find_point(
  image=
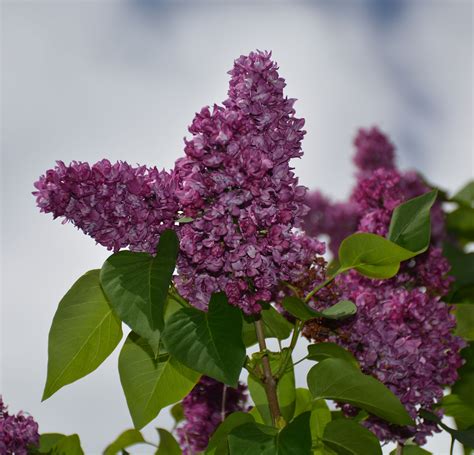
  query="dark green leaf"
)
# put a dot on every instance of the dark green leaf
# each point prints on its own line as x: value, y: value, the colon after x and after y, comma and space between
x: 211, y: 342
x: 168, y: 444
x: 295, y: 438
x: 177, y: 412
x: 48, y: 441
x: 462, y: 411
x: 150, y: 383
x: 465, y: 321
x: 465, y: 437
x: 218, y: 442
x: 346, y: 437
x: 326, y: 350
x: 300, y: 310
x: 84, y: 332
x: 137, y: 286
x: 252, y: 439
x: 124, y: 440
x: 371, y: 255
x: 411, y: 450
x: 461, y: 222
x: 285, y: 390
x: 336, y: 379
x: 465, y: 196
x: 410, y: 226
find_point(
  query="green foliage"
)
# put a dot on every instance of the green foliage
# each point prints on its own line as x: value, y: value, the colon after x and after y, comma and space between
x: 218, y: 443
x: 274, y: 326
x: 177, y: 412
x: 150, y: 383
x: 84, y: 332
x: 347, y: 437
x: 168, y: 444
x: 285, y: 390
x: 209, y: 342
x: 59, y: 444
x: 410, y: 226
x: 320, y: 417
x: 371, y: 255
x: 336, y: 379
x: 254, y: 438
x: 461, y: 222
x: 300, y: 310
x: 137, y: 286
x: 465, y: 320
x: 326, y: 350
x: 411, y: 450
x: 461, y: 410
x: 124, y: 440
x: 462, y: 269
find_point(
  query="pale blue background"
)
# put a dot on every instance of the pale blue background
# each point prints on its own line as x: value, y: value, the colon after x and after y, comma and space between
x: 82, y: 80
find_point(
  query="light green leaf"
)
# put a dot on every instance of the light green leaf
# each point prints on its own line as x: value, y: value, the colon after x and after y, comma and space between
x: 465, y: 196
x: 137, y: 286
x: 347, y: 437
x: 218, y: 443
x: 274, y: 326
x: 371, y: 255
x: 464, y: 320
x: 320, y: 417
x: 168, y: 444
x: 285, y: 390
x: 461, y: 410
x: 410, y: 226
x: 68, y: 445
x: 124, y: 440
x: 211, y: 342
x: 300, y: 310
x: 303, y: 400
x: 461, y: 222
x: 336, y: 379
x: 326, y: 350
x: 411, y: 450
x: 151, y: 383
x: 84, y: 332
x: 177, y: 412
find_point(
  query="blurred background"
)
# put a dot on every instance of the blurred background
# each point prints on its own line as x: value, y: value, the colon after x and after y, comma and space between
x: 83, y: 80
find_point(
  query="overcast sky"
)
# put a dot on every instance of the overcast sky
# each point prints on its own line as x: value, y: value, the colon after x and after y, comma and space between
x: 83, y: 80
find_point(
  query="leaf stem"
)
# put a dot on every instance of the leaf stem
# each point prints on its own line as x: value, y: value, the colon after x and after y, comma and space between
x: 319, y: 287
x: 269, y: 381
x: 300, y: 360
x: 399, y: 450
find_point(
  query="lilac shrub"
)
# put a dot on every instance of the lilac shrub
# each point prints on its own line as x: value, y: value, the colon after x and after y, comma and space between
x: 402, y: 333
x: 17, y: 432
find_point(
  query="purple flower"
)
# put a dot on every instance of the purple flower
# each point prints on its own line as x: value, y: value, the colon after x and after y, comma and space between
x: 17, y: 432
x: 402, y: 331
x: 205, y: 407
x: 236, y: 182
x: 116, y: 204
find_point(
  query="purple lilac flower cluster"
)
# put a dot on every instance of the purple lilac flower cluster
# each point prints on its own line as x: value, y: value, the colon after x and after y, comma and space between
x: 237, y: 183
x: 116, y: 204
x: 17, y: 432
x: 234, y: 181
x: 402, y: 333
x: 208, y: 404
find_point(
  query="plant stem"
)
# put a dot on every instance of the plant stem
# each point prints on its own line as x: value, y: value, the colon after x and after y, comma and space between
x: 317, y: 288
x: 269, y: 381
x: 399, y: 450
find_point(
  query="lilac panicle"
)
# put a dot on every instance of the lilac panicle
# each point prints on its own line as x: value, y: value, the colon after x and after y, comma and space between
x: 402, y: 333
x: 236, y: 182
x: 205, y: 407
x: 116, y: 204
x: 17, y: 432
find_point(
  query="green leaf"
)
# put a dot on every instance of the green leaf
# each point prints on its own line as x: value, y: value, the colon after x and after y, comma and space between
x: 285, y: 390
x: 346, y: 437
x: 137, y: 286
x: 184, y: 220
x: 124, y: 440
x: 336, y: 379
x: 151, y: 383
x: 464, y: 321
x: 320, y: 417
x: 211, y: 342
x: 274, y: 326
x: 295, y: 438
x: 461, y: 222
x: 410, y: 226
x: 326, y: 350
x: 48, y: 441
x: 465, y: 437
x: 218, y: 442
x: 168, y: 444
x: 462, y: 411
x: 371, y: 255
x: 177, y: 412
x: 303, y: 400
x: 83, y: 334
x: 300, y: 310
x: 68, y: 445
x: 465, y: 196
x: 411, y: 450
x: 252, y: 439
